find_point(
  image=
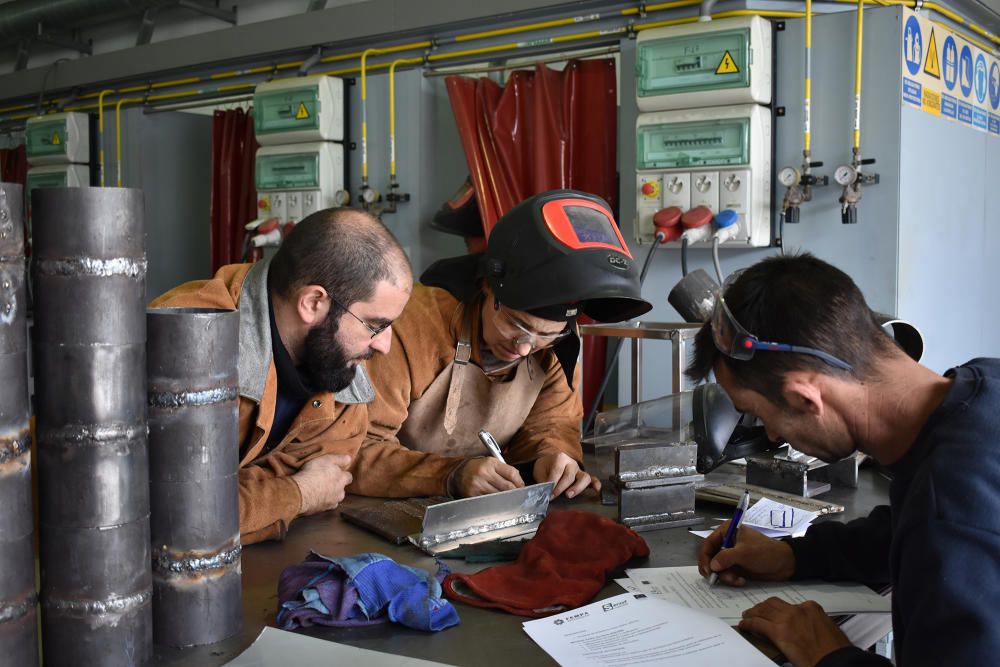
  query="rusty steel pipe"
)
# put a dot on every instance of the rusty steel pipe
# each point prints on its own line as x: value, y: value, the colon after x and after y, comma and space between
x: 193, y: 404
x: 18, y: 599
x: 89, y: 339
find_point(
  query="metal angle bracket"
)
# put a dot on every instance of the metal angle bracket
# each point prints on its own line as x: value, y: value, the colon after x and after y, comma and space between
x: 655, y: 463
x: 494, y: 517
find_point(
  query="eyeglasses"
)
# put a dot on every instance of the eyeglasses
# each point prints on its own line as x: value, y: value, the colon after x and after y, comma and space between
x: 529, y: 337
x: 374, y: 331
x: 735, y: 342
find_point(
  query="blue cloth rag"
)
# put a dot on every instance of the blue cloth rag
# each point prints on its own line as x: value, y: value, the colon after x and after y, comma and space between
x: 362, y: 590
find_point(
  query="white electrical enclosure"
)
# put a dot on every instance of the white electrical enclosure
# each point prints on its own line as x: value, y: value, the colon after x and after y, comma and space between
x: 717, y: 157
x: 295, y: 180
x: 309, y: 108
x: 57, y: 138
x: 713, y: 63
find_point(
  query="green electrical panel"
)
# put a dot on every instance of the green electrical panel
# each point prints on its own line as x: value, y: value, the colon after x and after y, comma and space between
x: 294, y: 171
x: 47, y: 138
x: 707, y: 143
x: 694, y: 63
x: 286, y: 110
x: 54, y: 179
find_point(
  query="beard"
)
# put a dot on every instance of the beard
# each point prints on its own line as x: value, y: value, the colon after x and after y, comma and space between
x: 326, y: 361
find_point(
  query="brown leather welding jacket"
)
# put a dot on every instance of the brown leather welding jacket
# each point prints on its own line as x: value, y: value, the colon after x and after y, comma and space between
x: 327, y: 424
x: 424, y: 341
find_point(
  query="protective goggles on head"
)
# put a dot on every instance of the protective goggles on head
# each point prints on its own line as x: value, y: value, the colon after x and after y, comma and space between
x: 527, y: 336
x: 732, y: 340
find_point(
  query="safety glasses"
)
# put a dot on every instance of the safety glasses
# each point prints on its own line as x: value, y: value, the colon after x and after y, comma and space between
x: 527, y: 336
x: 737, y: 343
x: 374, y: 331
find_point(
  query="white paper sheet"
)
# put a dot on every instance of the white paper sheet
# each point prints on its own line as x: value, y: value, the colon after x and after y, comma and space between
x: 775, y: 519
x: 627, y: 584
x: 289, y: 649
x: 635, y: 630
x: 685, y: 586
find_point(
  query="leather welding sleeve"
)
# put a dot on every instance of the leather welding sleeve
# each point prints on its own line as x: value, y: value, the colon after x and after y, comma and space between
x: 553, y: 425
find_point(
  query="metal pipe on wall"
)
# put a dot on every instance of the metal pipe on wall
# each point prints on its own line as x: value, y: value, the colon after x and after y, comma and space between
x: 193, y: 402
x: 18, y: 599
x: 89, y: 338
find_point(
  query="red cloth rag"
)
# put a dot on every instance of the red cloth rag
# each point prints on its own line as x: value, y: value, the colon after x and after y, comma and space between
x: 562, y: 567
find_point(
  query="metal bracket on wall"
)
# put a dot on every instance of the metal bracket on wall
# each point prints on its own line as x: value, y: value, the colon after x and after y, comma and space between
x: 229, y: 16
x: 70, y: 41
x: 146, y: 26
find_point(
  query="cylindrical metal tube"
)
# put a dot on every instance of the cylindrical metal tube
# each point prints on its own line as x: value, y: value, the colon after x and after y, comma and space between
x: 18, y: 600
x: 89, y: 274
x: 193, y: 399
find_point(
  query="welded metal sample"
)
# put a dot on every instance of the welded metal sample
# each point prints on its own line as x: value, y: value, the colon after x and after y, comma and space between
x: 18, y: 599
x: 193, y: 399
x: 89, y: 338
x: 656, y: 482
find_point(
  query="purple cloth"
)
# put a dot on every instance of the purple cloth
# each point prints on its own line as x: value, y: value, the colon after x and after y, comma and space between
x: 362, y: 590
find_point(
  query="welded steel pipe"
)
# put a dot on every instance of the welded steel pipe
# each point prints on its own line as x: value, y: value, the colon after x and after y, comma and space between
x: 193, y: 403
x: 89, y: 339
x: 18, y: 599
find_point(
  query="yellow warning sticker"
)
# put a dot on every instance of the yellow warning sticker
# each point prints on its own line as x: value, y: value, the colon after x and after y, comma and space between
x: 302, y: 113
x: 932, y: 65
x: 56, y: 140
x: 931, y: 102
x: 727, y: 66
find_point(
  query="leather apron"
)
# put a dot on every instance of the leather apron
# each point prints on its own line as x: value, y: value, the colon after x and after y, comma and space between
x: 462, y: 401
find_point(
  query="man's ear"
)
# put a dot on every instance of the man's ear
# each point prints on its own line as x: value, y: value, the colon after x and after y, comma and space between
x: 802, y: 392
x: 312, y: 304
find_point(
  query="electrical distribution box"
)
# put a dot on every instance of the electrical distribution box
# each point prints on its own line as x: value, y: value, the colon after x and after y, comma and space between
x: 57, y: 139
x: 714, y: 63
x: 309, y: 108
x: 298, y: 179
x: 717, y: 157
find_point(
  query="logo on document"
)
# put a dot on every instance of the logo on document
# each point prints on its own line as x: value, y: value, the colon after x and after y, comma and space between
x: 572, y: 617
x: 613, y: 605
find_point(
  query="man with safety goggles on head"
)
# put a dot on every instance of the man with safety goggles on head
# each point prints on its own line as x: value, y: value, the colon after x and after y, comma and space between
x: 489, y: 342
x: 821, y: 374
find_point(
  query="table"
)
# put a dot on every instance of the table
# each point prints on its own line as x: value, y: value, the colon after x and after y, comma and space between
x: 484, y: 637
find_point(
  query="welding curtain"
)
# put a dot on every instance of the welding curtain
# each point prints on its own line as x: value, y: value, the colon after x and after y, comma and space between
x: 234, y: 196
x: 544, y: 129
x: 13, y: 165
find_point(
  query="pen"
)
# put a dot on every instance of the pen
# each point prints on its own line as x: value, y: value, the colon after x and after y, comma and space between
x: 734, y: 525
x: 491, y: 444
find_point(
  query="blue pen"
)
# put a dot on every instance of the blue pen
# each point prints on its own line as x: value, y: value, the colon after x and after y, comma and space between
x: 734, y: 526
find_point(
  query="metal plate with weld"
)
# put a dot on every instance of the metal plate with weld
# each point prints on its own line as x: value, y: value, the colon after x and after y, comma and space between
x: 497, y: 516
x: 667, y: 506
x: 646, y: 464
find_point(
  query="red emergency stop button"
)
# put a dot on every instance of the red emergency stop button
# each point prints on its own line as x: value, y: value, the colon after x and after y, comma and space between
x: 262, y: 203
x: 648, y: 188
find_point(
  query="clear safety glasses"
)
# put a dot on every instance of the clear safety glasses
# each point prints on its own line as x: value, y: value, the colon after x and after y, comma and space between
x: 737, y: 343
x: 522, y: 335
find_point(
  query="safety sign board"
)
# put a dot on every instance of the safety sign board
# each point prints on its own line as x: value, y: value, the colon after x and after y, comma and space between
x: 301, y: 113
x: 728, y: 65
x: 946, y: 75
x: 56, y: 141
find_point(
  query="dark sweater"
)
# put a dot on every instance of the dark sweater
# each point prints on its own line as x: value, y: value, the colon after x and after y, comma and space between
x: 938, y: 543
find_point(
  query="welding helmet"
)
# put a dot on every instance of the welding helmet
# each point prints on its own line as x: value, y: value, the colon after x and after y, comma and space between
x: 460, y: 214
x: 558, y: 254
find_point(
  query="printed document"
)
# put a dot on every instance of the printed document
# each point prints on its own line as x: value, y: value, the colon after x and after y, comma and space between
x: 685, y: 586
x: 631, y: 629
x: 775, y: 519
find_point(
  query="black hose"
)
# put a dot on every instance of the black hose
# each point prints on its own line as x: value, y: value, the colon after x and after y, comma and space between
x: 684, y: 256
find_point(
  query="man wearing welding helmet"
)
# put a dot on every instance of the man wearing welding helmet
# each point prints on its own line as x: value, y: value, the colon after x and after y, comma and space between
x: 793, y: 342
x: 489, y: 342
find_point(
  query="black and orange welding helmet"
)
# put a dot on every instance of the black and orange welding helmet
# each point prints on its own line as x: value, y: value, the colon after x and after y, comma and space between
x: 559, y: 253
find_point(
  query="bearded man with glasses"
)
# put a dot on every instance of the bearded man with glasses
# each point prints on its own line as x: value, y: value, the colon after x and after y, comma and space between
x: 489, y: 342
x: 309, y: 319
x: 793, y: 342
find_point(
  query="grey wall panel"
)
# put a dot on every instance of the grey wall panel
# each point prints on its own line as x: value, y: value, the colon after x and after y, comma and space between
x: 947, y: 242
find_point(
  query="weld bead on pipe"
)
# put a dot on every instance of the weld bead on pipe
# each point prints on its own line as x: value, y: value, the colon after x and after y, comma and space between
x: 89, y: 338
x: 193, y: 401
x: 18, y: 598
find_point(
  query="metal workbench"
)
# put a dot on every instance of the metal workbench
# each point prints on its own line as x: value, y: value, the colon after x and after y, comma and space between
x: 484, y: 637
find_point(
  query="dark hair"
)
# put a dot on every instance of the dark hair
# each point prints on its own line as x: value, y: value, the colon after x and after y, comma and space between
x: 800, y: 300
x: 344, y: 250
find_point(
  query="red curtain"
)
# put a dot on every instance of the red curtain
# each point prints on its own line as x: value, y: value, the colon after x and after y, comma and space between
x: 13, y: 165
x: 234, y: 195
x: 545, y: 129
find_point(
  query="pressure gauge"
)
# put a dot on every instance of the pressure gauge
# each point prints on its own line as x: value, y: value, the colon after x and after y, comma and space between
x: 845, y: 174
x: 788, y: 176
x: 369, y: 195
x: 342, y: 198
